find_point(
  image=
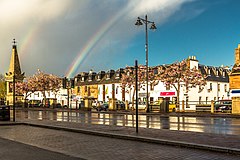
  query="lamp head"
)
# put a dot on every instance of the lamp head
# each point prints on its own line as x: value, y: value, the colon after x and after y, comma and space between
x: 153, y: 26
x: 139, y: 22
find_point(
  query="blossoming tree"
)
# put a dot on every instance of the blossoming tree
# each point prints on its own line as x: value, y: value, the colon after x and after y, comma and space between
x: 39, y: 82
x: 179, y: 74
x: 129, y: 77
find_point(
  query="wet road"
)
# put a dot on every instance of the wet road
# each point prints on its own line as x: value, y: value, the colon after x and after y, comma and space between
x: 215, y: 125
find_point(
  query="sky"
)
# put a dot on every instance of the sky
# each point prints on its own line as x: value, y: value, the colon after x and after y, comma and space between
x: 82, y: 35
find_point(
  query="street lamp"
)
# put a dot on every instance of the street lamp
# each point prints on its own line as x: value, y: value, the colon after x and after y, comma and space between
x: 140, y: 22
x: 14, y: 85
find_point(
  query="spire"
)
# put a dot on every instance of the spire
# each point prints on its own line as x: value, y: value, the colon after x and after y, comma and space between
x: 14, y: 66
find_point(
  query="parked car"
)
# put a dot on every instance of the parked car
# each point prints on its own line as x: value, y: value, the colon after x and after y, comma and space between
x: 120, y: 105
x: 141, y: 106
x: 223, y: 105
x: 102, y: 107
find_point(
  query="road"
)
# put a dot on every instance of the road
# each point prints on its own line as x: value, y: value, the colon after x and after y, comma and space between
x: 216, y: 125
x: 95, y: 147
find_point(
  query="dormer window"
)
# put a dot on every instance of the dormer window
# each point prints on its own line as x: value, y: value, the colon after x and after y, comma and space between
x: 99, y: 77
x: 217, y: 73
x: 117, y: 75
x: 209, y: 71
x: 82, y: 79
x: 108, y: 76
x: 90, y: 78
x: 223, y: 73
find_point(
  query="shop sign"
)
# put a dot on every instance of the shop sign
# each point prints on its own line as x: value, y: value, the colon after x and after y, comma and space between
x: 235, y: 93
x: 168, y: 94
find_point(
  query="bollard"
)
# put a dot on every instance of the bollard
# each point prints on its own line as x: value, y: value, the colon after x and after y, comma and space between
x: 212, y: 106
x: 183, y: 106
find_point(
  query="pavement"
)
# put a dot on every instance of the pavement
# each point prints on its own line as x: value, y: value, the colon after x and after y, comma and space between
x: 205, y: 141
x: 12, y: 150
x: 45, y: 139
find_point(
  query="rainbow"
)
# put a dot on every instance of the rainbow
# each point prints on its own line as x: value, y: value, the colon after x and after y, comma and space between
x: 26, y: 41
x: 85, y: 51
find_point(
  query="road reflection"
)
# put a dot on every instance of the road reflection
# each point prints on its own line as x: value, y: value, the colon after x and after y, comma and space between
x: 195, y: 124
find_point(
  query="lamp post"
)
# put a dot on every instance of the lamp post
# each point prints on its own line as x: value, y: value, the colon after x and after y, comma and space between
x: 14, y: 87
x: 140, y: 22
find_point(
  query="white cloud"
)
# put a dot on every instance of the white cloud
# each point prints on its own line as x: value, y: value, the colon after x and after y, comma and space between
x: 63, y: 27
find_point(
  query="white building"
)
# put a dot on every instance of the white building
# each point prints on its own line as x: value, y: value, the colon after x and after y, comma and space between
x: 109, y: 87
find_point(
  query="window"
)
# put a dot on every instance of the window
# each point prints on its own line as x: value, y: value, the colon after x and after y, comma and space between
x: 167, y: 87
x: 218, y: 87
x: 85, y: 88
x: 10, y: 87
x: 90, y: 78
x: 152, y: 87
x: 225, y: 87
x: 223, y: 74
x: 210, y: 87
x: 200, y: 88
x: 98, y: 77
x: 108, y: 76
x: 187, y: 105
x: 206, y: 100
x: 117, y: 75
x: 200, y: 100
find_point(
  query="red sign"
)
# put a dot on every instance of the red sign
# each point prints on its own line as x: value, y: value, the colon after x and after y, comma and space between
x: 167, y: 94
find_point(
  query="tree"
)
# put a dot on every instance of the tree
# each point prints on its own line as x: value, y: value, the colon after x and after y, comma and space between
x: 129, y: 77
x: 46, y: 83
x: 3, y: 90
x: 179, y: 74
x: 39, y: 82
x: 26, y: 88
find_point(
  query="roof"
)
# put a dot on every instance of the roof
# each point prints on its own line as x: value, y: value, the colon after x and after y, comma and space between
x: 218, y: 74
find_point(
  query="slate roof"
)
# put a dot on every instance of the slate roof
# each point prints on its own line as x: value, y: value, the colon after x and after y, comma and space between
x: 101, y: 77
x: 217, y: 74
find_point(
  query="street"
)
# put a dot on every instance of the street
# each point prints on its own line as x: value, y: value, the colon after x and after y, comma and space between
x: 216, y: 125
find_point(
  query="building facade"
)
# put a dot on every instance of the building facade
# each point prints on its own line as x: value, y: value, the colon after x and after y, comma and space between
x: 104, y: 86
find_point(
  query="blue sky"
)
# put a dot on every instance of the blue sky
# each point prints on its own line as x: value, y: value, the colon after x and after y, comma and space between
x: 211, y: 36
x: 101, y: 35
